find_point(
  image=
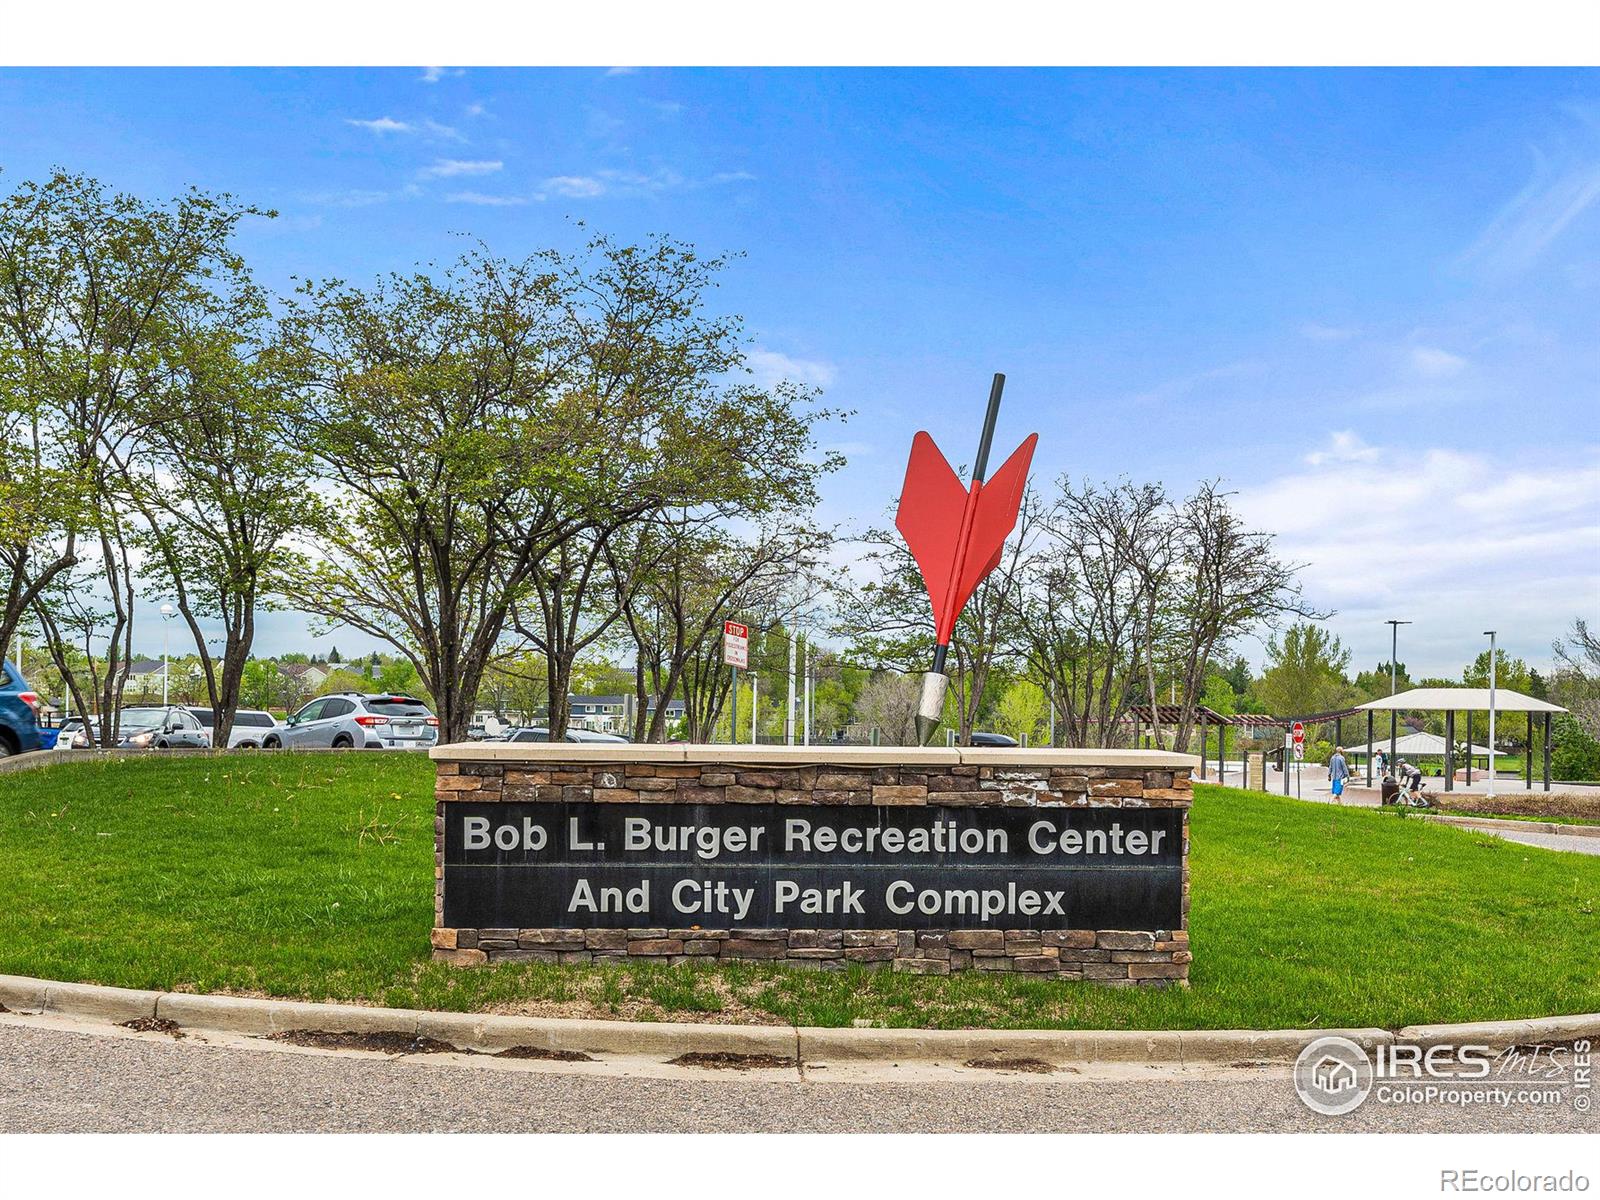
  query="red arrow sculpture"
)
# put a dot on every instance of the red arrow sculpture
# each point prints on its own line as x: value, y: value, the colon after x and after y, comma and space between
x: 957, y: 534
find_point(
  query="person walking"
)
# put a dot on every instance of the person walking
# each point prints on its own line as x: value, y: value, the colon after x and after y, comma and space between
x: 1338, y: 772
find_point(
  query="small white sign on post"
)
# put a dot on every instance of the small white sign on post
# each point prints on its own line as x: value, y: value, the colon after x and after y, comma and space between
x: 735, y: 644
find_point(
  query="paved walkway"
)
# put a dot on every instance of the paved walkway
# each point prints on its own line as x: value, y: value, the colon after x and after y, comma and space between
x: 63, y: 1081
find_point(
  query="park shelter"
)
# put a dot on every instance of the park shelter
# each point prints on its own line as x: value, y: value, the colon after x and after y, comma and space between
x: 1422, y: 744
x: 1452, y: 700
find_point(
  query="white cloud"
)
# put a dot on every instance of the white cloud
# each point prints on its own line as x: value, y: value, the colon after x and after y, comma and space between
x: 486, y: 199
x: 1433, y: 363
x: 446, y: 132
x: 768, y: 367
x: 1555, y: 197
x: 477, y: 110
x: 611, y: 181
x: 348, y: 198
x: 447, y: 168
x: 1317, y: 332
x: 577, y: 186
x: 434, y: 74
x: 1344, y: 447
x: 381, y: 125
x: 1456, y: 541
x: 614, y: 71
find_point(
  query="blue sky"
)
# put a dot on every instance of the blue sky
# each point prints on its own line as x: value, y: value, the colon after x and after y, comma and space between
x: 1366, y: 299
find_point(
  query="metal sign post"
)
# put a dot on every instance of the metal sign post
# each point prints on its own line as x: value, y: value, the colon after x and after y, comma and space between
x: 736, y: 653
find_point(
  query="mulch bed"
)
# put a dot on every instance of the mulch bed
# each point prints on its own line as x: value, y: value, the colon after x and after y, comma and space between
x: 724, y: 1061
x: 1572, y: 805
x: 154, y: 1025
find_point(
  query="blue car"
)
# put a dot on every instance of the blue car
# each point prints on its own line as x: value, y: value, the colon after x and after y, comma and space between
x: 19, y: 710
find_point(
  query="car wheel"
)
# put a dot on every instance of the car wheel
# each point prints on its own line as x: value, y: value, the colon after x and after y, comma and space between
x: 246, y: 746
x: 163, y: 745
x: 6, y: 748
x: 272, y: 743
x: 343, y: 743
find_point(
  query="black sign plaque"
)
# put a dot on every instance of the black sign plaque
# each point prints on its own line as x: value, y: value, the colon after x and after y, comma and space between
x: 722, y: 866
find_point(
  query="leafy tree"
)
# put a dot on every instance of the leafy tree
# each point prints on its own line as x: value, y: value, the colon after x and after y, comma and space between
x: 1305, y: 672
x: 472, y: 421
x: 1509, y: 672
x: 1575, y: 685
x: 1022, y: 712
x: 1574, y: 752
x: 90, y: 285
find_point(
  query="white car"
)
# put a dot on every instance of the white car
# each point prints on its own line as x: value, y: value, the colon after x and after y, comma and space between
x: 250, y: 726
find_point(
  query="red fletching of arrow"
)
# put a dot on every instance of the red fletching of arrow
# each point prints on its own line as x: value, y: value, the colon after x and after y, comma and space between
x: 957, y: 533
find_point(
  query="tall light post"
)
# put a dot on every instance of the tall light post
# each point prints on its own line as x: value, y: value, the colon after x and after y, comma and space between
x: 788, y: 711
x: 1394, y: 654
x: 167, y: 613
x: 1491, y: 633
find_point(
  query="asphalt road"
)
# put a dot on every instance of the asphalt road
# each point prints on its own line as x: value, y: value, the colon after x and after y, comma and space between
x: 1550, y: 841
x: 73, y: 1080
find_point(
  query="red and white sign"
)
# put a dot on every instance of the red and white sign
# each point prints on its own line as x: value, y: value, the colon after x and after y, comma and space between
x: 735, y: 644
x: 1299, y: 739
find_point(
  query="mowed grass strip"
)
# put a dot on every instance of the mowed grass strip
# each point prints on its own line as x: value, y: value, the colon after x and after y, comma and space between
x: 311, y: 876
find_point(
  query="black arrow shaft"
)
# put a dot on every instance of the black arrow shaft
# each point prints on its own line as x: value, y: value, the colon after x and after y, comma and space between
x: 980, y: 466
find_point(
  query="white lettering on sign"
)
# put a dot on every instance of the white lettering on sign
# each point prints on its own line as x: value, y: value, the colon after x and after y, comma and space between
x: 476, y: 835
x: 901, y: 898
x: 1043, y: 838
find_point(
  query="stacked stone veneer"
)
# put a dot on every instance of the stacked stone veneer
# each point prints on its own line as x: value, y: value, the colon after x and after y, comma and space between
x: 1116, y: 957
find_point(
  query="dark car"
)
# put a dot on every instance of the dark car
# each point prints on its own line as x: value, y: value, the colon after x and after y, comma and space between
x: 160, y: 727
x: 992, y: 739
x: 19, y: 712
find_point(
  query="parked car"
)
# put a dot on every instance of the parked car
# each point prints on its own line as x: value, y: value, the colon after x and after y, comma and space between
x: 19, y: 712
x: 992, y: 739
x: 357, y: 720
x: 250, y: 726
x: 160, y: 728
x: 573, y: 735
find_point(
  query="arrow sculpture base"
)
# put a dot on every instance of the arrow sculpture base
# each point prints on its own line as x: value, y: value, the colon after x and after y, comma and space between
x: 930, y: 706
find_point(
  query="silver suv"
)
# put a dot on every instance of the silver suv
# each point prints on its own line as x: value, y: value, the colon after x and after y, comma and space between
x: 357, y: 721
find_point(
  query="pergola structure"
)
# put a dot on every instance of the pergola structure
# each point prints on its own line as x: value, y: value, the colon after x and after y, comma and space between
x: 1171, y: 714
x: 1469, y: 700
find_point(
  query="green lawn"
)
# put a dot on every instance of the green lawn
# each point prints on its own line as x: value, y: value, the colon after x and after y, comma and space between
x: 311, y: 876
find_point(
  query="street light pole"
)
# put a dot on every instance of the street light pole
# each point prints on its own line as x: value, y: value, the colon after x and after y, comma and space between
x: 1491, y: 634
x: 788, y: 711
x: 166, y: 628
x: 1394, y: 654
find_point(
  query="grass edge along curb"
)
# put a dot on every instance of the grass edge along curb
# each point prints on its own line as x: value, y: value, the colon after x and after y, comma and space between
x: 1512, y: 825
x: 489, y: 1032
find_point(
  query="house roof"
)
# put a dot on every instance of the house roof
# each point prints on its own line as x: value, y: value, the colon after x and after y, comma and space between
x: 1463, y: 699
x: 145, y: 666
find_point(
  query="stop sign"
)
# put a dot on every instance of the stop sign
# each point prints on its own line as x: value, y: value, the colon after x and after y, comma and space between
x: 1299, y: 732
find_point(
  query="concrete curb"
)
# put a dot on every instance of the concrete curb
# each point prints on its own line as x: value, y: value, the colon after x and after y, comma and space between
x: 649, y: 1039
x: 1512, y: 825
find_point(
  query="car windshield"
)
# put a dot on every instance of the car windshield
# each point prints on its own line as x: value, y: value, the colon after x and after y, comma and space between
x: 142, y: 718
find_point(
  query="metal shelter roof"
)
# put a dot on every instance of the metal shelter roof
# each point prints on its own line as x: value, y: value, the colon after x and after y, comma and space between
x: 1462, y: 699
